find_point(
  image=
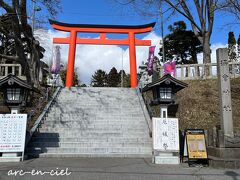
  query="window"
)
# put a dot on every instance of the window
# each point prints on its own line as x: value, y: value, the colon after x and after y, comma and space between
x: 165, y: 93
x: 13, y: 94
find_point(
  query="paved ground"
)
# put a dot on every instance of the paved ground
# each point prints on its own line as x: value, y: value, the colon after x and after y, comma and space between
x: 108, y: 169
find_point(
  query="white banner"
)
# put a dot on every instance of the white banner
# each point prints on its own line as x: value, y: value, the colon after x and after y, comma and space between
x: 12, y: 132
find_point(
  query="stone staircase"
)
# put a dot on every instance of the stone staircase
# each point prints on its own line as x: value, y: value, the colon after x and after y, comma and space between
x: 94, y: 122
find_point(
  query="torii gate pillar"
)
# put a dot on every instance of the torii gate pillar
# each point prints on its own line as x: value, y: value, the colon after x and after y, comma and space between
x: 132, y: 58
x: 71, y: 59
x: 131, y: 41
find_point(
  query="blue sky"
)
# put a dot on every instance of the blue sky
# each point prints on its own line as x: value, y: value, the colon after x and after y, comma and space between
x: 89, y: 58
x: 109, y: 12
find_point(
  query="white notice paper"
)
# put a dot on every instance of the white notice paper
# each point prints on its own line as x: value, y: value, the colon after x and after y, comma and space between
x: 165, y: 134
x: 12, y: 132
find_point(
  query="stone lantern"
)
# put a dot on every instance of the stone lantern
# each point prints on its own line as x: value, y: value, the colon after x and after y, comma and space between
x: 15, y: 92
x: 164, y: 94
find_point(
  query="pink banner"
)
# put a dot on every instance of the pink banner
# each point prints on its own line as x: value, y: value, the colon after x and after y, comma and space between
x: 56, y: 60
x: 170, y: 68
x: 150, y: 59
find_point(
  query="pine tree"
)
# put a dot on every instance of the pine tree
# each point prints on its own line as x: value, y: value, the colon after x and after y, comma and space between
x: 231, y: 47
x: 238, y: 41
x: 99, y: 79
x: 125, y: 78
x: 181, y: 43
x: 63, y: 74
x: 113, y: 78
x: 231, y: 38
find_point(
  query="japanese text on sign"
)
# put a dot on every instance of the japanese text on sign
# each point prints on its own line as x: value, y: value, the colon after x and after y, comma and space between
x: 12, y: 132
x: 165, y: 134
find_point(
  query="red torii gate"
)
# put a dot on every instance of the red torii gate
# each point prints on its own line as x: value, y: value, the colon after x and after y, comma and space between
x: 131, y: 41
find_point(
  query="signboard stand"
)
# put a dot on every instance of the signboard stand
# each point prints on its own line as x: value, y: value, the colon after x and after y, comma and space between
x: 12, y: 137
x: 195, y: 147
x: 165, y: 141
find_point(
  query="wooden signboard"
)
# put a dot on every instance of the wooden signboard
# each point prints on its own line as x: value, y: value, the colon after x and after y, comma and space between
x: 196, y: 146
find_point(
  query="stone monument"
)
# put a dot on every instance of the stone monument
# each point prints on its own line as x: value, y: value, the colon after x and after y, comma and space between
x: 224, y: 151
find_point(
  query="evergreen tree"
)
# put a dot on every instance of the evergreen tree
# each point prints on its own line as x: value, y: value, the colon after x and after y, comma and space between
x: 238, y: 49
x: 99, y: 79
x: 126, y: 79
x: 63, y: 74
x: 238, y: 41
x: 17, y: 40
x: 113, y: 78
x: 181, y: 43
x: 231, y: 38
x: 231, y: 46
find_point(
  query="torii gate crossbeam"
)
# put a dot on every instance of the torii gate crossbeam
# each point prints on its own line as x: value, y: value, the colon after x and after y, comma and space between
x: 131, y: 41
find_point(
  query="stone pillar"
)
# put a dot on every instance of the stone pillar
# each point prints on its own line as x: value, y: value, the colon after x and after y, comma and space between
x: 224, y: 92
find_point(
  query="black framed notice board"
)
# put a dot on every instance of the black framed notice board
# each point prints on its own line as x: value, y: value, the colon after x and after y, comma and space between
x: 196, y: 147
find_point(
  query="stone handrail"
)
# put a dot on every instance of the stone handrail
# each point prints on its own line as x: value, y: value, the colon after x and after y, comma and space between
x: 42, y: 115
x: 145, y: 111
x: 15, y: 69
x: 197, y: 71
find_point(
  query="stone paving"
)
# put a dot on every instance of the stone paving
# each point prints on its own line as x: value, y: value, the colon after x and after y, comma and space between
x: 109, y: 168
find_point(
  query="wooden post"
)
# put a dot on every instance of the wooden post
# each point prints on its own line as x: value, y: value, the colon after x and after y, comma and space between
x: 224, y: 92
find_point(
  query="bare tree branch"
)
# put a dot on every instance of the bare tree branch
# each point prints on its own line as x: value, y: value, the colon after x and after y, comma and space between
x: 6, y: 6
x: 190, y: 18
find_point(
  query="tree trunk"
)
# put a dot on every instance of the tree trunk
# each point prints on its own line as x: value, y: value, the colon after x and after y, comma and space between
x: 206, y: 54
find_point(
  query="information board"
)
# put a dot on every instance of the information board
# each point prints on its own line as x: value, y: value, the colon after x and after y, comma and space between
x: 12, y: 132
x: 165, y: 134
x: 196, y: 145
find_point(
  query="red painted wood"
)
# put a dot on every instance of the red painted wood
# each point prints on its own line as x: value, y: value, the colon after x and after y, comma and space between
x: 131, y: 41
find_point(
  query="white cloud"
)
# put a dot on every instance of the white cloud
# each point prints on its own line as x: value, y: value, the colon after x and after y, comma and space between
x: 89, y: 58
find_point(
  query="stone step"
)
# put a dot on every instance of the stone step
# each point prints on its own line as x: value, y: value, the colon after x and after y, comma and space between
x: 105, y: 128
x: 76, y: 112
x: 97, y: 124
x: 97, y: 150
x: 226, y: 163
x: 10, y: 159
x: 90, y: 144
x: 88, y: 129
x: 95, y: 117
x: 227, y: 153
x: 91, y: 135
x: 110, y: 96
x: 87, y: 155
x: 124, y: 107
x: 94, y: 125
x: 105, y: 102
x: 94, y: 122
x: 97, y: 139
